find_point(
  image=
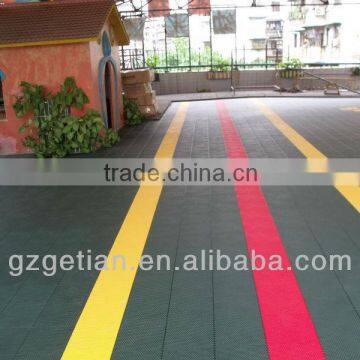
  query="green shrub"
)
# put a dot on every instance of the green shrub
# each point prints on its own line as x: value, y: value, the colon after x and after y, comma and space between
x: 291, y: 64
x: 152, y: 61
x: 109, y: 138
x: 356, y: 71
x: 132, y: 114
x: 51, y: 130
x: 220, y: 64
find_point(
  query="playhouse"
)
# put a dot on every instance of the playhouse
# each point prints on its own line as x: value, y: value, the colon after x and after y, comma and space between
x: 45, y: 42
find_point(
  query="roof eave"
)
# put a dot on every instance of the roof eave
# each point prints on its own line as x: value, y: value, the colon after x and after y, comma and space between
x: 119, y: 27
x: 47, y: 42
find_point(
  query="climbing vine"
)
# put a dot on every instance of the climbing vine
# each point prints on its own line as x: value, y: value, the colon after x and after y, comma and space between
x: 132, y: 113
x: 51, y: 130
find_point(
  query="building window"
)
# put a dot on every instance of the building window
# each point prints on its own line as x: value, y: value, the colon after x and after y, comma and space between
x: 322, y: 39
x: 336, y: 37
x: 295, y: 40
x: 315, y: 37
x: 327, y: 37
x: 275, y: 5
x: 2, y: 105
x: 258, y: 44
x: 274, y: 29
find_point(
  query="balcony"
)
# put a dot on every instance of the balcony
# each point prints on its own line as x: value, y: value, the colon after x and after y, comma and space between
x: 258, y: 44
x: 274, y: 33
x: 298, y: 14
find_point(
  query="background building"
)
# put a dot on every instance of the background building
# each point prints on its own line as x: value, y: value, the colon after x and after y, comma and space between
x: 212, y: 34
x: 315, y: 32
x: 269, y: 32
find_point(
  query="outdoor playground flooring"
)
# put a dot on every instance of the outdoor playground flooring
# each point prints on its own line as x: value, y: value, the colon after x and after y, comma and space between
x: 186, y: 315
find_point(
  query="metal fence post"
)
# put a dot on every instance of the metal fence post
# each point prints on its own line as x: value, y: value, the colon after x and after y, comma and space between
x: 266, y: 55
x: 189, y: 41
x: 244, y: 53
x: 122, y: 57
x: 211, y: 37
x: 288, y: 57
x: 143, y: 52
x: 166, y: 50
x: 235, y: 37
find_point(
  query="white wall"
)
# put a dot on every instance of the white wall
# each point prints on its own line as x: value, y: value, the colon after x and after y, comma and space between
x: 348, y: 40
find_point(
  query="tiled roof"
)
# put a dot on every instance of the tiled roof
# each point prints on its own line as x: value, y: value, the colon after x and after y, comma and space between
x: 59, y: 20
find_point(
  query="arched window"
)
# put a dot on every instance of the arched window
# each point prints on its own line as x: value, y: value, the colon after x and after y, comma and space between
x: 2, y: 105
x: 106, y: 45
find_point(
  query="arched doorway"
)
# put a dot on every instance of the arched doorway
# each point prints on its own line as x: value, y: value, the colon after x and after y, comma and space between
x: 109, y: 86
x: 109, y: 96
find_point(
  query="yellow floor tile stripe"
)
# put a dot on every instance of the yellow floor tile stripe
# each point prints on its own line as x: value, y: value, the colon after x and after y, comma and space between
x: 317, y: 160
x: 354, y: 109
x: 95, y: 333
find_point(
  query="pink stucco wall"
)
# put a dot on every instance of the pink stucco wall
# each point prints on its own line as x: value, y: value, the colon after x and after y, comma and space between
x: 46, y: 65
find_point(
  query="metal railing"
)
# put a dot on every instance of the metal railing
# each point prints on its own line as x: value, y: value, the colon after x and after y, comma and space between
x: 329, y: 82
x: 269, y: 58
x: 175, y: 61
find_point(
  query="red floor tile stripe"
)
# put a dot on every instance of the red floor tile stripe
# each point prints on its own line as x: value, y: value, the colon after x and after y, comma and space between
x: 289, y: 331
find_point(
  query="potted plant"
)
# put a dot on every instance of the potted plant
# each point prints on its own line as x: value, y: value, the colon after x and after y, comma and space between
x: 290, y: 69
x: 221, y: 69
x: 152, y: 62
